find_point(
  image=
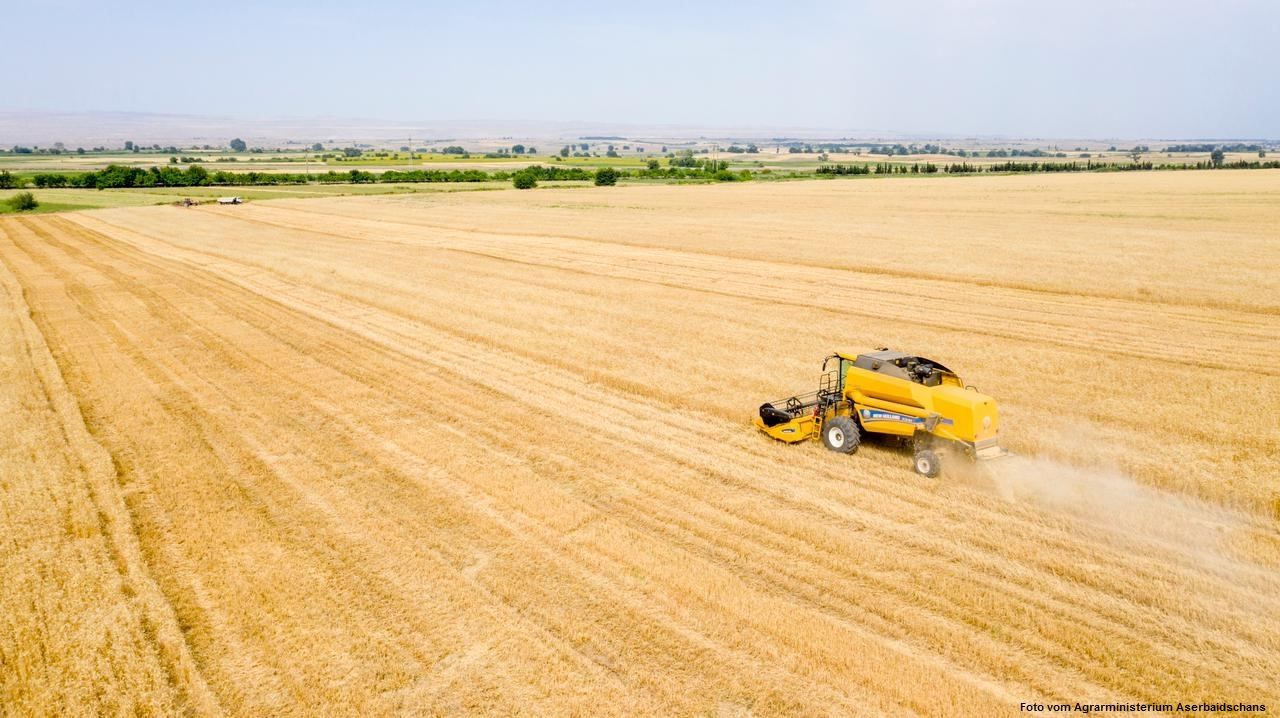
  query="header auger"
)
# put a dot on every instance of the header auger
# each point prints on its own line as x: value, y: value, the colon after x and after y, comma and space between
x: 887, y: 392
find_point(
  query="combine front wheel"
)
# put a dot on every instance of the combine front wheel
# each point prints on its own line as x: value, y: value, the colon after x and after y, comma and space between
x: 841, y: 434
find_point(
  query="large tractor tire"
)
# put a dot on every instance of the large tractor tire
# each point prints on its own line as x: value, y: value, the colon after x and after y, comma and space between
x: 927, y: 463
x: 841, y: 434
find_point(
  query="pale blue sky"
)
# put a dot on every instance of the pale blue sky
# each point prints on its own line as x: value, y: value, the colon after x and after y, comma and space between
x: 1051, y: 69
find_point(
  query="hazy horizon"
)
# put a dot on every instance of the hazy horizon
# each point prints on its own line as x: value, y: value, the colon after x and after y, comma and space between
x: 1089, y: 69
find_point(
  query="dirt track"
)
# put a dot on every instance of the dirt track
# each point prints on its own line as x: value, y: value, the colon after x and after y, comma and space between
x: 492, y: 453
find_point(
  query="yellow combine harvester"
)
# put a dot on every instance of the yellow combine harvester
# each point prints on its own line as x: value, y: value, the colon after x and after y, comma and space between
x: 887, y: 392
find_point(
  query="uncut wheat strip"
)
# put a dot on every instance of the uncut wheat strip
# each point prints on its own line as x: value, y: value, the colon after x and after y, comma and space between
x: 822, y: 243
x: 903, y: 305
x: 776, y: 279
x: 945, y: 294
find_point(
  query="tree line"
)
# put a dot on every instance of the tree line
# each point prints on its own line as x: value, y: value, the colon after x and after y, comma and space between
x: 1238, y: 147
x: 1029, y: 167
x: 118, y: 176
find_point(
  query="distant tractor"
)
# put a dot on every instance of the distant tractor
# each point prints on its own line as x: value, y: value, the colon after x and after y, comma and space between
x: 895, y: 394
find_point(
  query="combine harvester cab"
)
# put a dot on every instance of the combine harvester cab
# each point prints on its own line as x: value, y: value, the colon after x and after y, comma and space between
x: 886, y: 392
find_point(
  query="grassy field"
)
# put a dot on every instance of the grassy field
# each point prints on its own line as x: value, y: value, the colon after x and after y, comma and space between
x: 62, y: 200
x: 457, y: 453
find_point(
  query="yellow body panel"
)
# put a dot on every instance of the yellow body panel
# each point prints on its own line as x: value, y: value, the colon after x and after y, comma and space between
x: 895, y: 394
x: 889, y: 405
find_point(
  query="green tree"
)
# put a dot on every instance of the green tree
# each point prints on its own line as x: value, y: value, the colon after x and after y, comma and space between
x: 1262, y: 154
x: 1217, y: 157
x: 128, y: 146
x: 22, y: 202
x: 653, y: 165
x: 684, y: 158
x: 237, y: 145
x: 524, y: 179
x: 196, y: 176
x: 606, y: 177
x: 317, y: 147
x: 7, y: 181
x: 518, y: 149
x: 564, y: 151
x: 532, y: 150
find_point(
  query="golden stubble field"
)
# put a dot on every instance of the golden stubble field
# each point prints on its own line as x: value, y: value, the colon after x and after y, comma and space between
x: 490, y: 452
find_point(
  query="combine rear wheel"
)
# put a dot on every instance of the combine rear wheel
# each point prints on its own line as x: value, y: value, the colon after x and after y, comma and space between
x: 841, y: 434
x: 927, y: 463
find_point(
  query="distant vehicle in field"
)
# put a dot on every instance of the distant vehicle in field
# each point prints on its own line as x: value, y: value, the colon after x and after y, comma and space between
x: 888, y: 392
x: 230, y: 200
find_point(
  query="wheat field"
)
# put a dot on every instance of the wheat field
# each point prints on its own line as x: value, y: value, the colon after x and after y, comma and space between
x: 491, y: 453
